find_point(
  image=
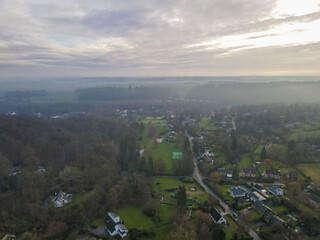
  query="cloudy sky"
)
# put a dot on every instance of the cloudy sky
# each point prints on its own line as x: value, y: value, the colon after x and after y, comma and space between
x: 71, y: 38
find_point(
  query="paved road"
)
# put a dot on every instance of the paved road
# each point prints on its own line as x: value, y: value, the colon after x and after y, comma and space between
x: 199, y: 178
x: 234, y: 124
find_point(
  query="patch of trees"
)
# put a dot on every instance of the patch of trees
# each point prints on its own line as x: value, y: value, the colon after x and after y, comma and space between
x: 131, y: 93
x: 257, y: 93
x: 82, y: 155
x: 23, y: 95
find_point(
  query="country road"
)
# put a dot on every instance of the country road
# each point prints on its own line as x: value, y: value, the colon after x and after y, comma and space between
x: 199, y: 178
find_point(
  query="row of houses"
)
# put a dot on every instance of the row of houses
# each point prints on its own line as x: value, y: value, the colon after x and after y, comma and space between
x: 268, y: 173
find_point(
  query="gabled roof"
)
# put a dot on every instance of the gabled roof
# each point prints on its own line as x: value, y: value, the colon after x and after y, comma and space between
x: 248, y: 170
x: 236, y: 191
x: 111, y: 226
x: 260, y: 207
x: 122, y: 228
x: 258, y: 187
x: 214, y: 214
x: 315, y: 199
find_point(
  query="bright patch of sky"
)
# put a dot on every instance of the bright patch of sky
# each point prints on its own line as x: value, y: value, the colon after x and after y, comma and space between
x: 295, y: 8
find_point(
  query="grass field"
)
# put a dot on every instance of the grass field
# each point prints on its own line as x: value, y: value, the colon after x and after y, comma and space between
x: 312, y: 170
x: 164, y: 150
x: 278, y: 209
x: 206, y: 123
x: 169, y: 183
x: 153, y: 121
x: 254, y: 216
x: 244, y: 162
x: 133, y: 217
x: 303, y: 133
x: 98, y: 222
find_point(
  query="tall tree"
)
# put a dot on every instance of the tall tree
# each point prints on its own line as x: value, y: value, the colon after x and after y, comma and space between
x: 181, y: 196
x: 218, y: 234
x: 263, y: 154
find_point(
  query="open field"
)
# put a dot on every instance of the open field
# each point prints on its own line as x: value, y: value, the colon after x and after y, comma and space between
x: 312, y: 170
x: 163, y: 184
x: 207, y: 124
x: 304, y: 133
x: 165, y: 150
x: 153, y: 121
x: 161, y: 150
x: 133, y: 217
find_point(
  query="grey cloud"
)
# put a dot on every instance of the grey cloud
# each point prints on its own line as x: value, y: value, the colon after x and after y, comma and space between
x: 155, y: 41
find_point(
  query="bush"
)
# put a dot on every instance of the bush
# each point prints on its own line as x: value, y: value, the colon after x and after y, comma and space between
x: 137, y: 234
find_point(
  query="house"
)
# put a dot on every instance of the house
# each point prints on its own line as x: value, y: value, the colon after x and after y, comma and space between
x: 115, y: 226
x: 9, y: 237
x: 259, y: 188
x: 275, y: 190
x: 247, y: 173
x: 216, y: 217
x: 41, y: 170
x: 224, y: 172
x: 172, y: 136
x: 14, y: 171
x: 272, y: 219
x: 314, y: 201
x: 58, y: 199
x: 291, y: 175
x: 261, y: 208
x: 236, y: 192
x: 271, y: 173
x: 256, y: 197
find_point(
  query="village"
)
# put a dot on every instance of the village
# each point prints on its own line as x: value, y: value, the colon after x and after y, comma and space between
x: 244, y: 191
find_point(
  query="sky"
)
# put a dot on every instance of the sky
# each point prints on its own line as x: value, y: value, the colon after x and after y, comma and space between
x: 81, y: 38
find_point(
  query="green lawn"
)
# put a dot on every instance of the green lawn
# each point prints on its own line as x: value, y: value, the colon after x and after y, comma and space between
x: 312, y: 170
x: 231, y: 228
x: 301, y: 134
x: 133, y: 217
x: 254, y: 215
x: 278, y: 209
x: 98, y: 222
x: 80, y: 198
x: 153, y: 121
x: 162, y: 150
x: 223, y: 190
x: 245, y: 161
x: 168, y: 183
x: 165, y: 150
x: 207, y: 124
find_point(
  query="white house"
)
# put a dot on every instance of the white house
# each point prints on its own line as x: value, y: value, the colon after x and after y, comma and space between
x: 61, y: 199
x: 276, y: 190
x: 216, y: 217
x: 115, y: 226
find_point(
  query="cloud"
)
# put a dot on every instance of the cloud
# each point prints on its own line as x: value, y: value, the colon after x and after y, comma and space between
x: 175, y: 37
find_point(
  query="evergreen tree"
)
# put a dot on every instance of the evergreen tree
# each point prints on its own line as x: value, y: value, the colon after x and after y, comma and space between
x: 181, y: 196
x: 263, y: 154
